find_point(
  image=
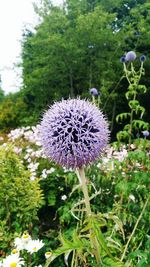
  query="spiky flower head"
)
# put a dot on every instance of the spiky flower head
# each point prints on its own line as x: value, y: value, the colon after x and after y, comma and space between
x: 142, y: 58
x: 94, y: 92
x: 74, y: 133
x: 123, y: 59
x: 130, y: 56
x: 145, y: 133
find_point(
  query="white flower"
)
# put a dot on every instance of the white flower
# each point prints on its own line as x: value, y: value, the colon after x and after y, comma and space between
x: 99, y: 165
x: 132, y: 197
x: 64, y: 197
x: 32, y: 178
x: 21, y: 243
x: 29, y: 160
x: 15, y: 251
x: 44, y: 174
x: 105, y: 160
x: 17, y: 150
x: 13, y: 261
x: 51, y: 170
x: 48, y: 254
x: 34, y: 246
x: 33, y: 166
x: 27, y: 156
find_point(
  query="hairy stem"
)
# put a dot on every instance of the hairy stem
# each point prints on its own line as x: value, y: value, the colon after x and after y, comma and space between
x: 82, y: 179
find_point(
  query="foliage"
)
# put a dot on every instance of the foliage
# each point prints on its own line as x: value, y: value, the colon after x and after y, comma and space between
x: 20, y: 198
x: 118, y: 186
x: 71, y: 50
x: 136, y: 111
x: 75, y: 47
x: 64, y: 54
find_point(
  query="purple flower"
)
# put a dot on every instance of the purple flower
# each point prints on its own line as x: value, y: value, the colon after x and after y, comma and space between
x: 94, y: 92
x: 130, y: 56
x: 123, y: 59
x: 142, y: 58
x: 145, y: 133
x: 74, y: 133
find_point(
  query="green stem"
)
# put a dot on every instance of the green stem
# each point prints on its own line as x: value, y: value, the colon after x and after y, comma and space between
x: 134, y: 229
x: 126, y: 73
x: 131, y: 120
x: 82, y: 179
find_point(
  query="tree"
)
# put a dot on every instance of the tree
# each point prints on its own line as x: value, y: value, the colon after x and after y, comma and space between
x: 2, y: 95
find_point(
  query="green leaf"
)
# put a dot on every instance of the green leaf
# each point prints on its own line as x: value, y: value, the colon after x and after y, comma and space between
x: 122, y: 135
x: 108, y: 262
x: 138, y: 124
x: 133, y: 104
x: 142, y: 89
x: 122, y: 116
x: 130, y: 94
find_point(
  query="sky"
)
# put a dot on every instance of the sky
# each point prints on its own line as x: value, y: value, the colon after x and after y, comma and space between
x: 14, y: 16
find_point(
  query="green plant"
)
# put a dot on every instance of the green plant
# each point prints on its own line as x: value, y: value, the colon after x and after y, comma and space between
x: 20, y: 198
x: 136, y: 111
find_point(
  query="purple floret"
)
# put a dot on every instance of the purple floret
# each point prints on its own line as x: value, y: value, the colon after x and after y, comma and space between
x: 74, y: 133
x: 123, y: 59
x: 142, y: 58
x: 130, y: 56
x: 94, y: 92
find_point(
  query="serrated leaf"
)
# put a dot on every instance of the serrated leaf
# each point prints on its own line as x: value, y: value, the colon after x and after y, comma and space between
x: 133, y: 104
x: 122, y: 135
x: 122, y: 116
x: 138, y: 124
x: 130, y: 94
x: 142, y: 89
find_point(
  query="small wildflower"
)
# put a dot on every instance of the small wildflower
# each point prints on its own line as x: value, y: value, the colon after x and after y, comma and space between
x: 142, y: 58
x: 15, y: 251
x: 51, y: 170
x: 48, y: 254
x: 20, y: 243
x: 13, y: 261
x: 132, y: 197
x: 64, y: 197
x: 94, y: 92
x: 145, y: 133
x: 32, y: 178
x: 130, y: 56
x: 34, y: 246
x: 123, y: 59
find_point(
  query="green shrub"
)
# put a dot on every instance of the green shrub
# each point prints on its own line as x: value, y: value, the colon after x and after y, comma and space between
x: 20, y: 198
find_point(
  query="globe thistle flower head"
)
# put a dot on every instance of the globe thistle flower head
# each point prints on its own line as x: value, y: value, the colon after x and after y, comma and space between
x: 130, y: 56
x: 145, y: 133
x: 142, y: 58
x: 74, y: 133
x: 94, y: 92
x: 123, y: 59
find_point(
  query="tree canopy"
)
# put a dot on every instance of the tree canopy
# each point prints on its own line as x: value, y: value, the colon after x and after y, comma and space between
x: 77, y: 46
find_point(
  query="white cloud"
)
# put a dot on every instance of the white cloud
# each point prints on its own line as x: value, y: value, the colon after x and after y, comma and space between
x: 14, y: 15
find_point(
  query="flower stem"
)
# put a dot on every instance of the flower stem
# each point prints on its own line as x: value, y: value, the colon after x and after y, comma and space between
x: 134, y: 229
x: 94, y: 242
x: 82, y: 180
